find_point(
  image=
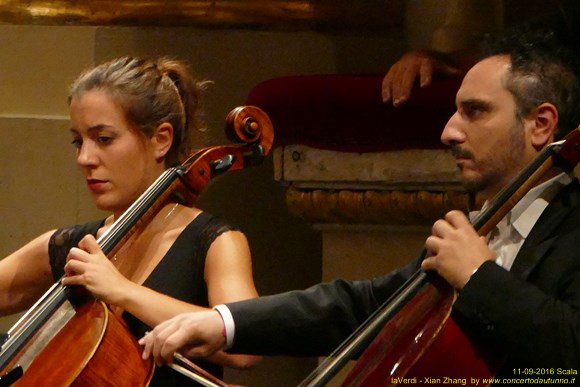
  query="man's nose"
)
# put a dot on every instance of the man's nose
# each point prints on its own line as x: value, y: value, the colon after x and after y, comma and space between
x: 453, y: 132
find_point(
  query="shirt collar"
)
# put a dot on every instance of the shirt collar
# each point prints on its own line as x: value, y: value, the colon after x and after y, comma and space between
x: 527, y: 211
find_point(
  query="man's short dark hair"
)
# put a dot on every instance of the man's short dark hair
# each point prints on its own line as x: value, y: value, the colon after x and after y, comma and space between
x: 543, y: 69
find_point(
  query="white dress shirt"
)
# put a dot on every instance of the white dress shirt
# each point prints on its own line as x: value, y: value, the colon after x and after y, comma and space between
x: 511, y: 232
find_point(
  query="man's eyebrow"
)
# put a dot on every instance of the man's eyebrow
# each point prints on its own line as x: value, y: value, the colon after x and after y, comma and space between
x: 474, y: 103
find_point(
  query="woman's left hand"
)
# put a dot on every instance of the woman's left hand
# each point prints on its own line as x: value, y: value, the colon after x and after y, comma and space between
x: 89, y: 267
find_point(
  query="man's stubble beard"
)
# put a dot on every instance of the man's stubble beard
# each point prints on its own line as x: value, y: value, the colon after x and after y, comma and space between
x: 511, y: 155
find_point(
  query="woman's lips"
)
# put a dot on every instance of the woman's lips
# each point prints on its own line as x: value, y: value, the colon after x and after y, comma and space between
x: 96, y: 185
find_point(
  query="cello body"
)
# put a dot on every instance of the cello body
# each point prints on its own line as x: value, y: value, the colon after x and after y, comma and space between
x: 441, y: 352
x: 84, y: 345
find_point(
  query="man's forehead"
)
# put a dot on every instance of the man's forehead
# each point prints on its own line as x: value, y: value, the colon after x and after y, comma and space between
x: 485, y: 79
x: 491, y: 69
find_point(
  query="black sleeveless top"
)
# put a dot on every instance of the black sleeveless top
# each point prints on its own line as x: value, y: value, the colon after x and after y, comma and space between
x: 180, y: 274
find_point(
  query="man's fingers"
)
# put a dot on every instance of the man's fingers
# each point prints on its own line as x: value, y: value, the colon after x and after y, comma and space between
x: 146, y: 342
x: 458, y: 219
x: 426, y: 73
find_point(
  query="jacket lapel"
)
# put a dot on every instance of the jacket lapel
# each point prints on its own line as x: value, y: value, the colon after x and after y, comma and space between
x: 542, y: 235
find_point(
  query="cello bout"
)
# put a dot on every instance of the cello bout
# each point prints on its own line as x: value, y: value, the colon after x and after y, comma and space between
x: 81, y: 352
x: 423, y: 343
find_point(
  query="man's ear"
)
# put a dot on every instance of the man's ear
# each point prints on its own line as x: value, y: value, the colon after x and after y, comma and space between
x: 544, y: 125
x: 162, y: 139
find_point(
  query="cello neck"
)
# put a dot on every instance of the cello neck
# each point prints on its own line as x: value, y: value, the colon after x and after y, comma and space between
x: 564, y: 154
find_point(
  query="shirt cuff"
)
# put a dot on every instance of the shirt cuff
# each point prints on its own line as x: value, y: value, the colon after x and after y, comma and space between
x: 229, y: 325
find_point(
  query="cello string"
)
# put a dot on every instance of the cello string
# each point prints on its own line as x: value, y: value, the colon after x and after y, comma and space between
x: 30, y: 323
x: 129, y: 218
x: 364, y: 334
x: 264, y: 136
x: 57, y: 294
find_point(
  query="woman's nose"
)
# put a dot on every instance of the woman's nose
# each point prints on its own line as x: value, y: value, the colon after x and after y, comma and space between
x: 85, y: 155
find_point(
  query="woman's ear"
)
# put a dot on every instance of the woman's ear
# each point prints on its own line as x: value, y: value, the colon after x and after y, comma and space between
x: 162, y: 139
x: 545, y: 124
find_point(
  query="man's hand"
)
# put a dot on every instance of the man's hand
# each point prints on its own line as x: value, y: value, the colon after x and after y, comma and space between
x: 414, y: 65
x: 456, y: 249
x: 196, y: 334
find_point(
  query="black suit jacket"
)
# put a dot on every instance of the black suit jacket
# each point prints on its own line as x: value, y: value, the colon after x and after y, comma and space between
x: 531, y: 312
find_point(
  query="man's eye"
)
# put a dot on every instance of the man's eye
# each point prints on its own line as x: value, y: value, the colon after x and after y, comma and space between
x: 104, y: 140
x: 472, y: 112
x: 77, y: 142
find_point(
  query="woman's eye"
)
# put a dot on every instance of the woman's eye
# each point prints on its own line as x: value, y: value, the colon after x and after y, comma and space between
x: 77, y: 142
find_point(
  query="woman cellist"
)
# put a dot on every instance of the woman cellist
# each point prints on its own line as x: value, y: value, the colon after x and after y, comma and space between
x: 130, y: 120
x: 522, y: 294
